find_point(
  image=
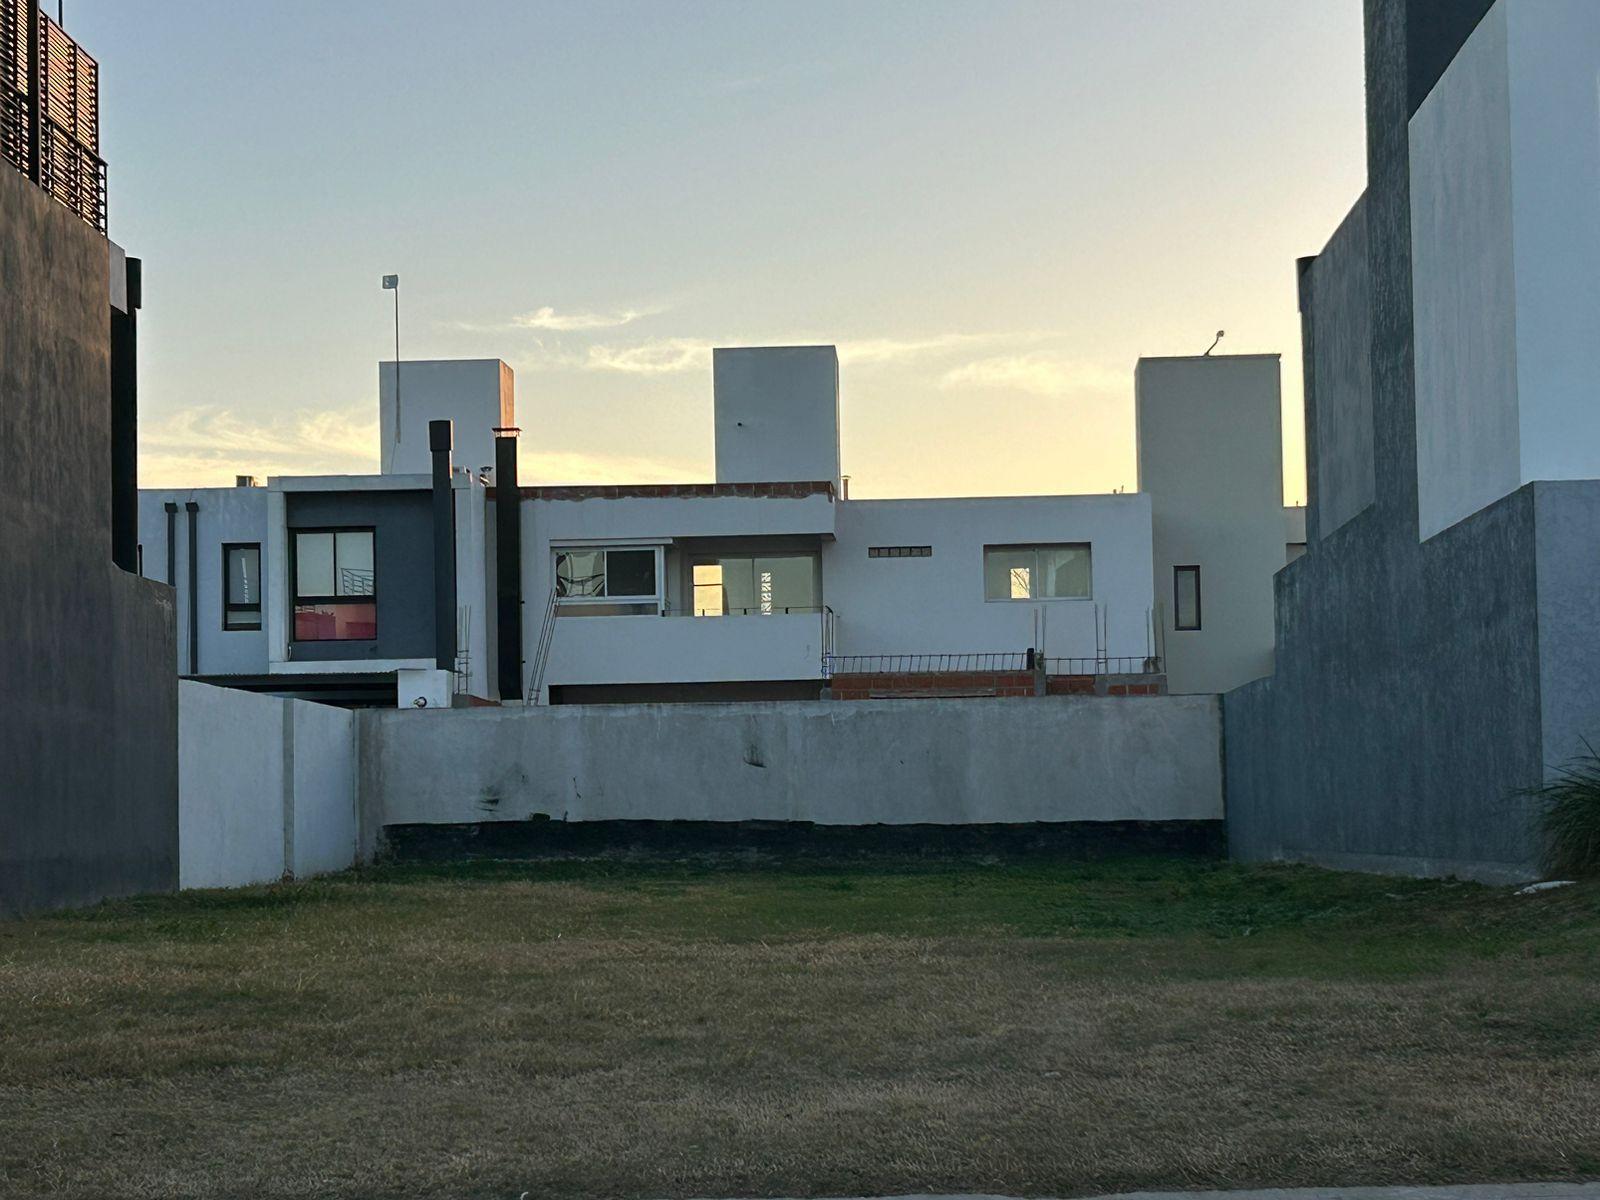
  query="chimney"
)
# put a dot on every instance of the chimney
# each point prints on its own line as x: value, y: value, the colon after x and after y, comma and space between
x: 440, y: 435
x: 508, y: 562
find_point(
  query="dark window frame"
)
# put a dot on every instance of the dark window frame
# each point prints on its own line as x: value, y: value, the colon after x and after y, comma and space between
x: 604, y: 598
x: 297, y: 600
x: 1178, y: 571
x: 228, y: 607
x: 1086, y: 546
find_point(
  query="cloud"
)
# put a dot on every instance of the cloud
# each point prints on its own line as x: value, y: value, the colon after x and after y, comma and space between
x: 566, y: 466
x: 1039, y: 374
x: 661, y: 356
x: 548, y: 320
x: 888, y: 350
x: 208, y: 445
x: 574, y: 322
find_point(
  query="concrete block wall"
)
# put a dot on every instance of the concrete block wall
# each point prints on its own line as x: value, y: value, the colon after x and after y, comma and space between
x: 266, y: 787
x: 937, y: 762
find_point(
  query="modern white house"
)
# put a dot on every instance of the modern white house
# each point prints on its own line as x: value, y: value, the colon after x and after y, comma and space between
x: 765, y: 584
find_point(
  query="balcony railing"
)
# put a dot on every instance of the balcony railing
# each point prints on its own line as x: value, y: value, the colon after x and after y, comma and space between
x: 50, y: 110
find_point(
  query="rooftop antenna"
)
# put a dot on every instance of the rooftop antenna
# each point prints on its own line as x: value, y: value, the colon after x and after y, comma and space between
x: 1221, y: 333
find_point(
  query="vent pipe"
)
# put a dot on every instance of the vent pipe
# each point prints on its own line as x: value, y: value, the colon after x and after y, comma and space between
x: 440, y: 436
x: 508, y: 563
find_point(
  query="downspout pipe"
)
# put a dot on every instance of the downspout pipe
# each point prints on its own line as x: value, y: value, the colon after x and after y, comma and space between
x: 440, y: 437
x: 194, y: 587
x: 508, y: 563
x: 172, y: 544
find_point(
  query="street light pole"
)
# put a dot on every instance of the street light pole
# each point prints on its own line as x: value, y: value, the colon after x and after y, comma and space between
x: 391, y: 283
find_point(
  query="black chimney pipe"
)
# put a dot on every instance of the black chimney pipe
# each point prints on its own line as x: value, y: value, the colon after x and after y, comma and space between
x: 508, y: 563
x: 440, y: 436
x: 193, y: 510
x: 125, y: 424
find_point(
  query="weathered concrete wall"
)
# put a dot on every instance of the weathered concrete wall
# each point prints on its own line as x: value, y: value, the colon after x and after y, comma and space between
x: 944, y: 762
x: 1342, y: 350
x: 267, y: 787
x: 88, y: 694
x: 1405, y: 712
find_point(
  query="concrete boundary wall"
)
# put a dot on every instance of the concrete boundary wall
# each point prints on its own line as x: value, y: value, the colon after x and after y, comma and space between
x: 935, y: 762
x: 266, y: 787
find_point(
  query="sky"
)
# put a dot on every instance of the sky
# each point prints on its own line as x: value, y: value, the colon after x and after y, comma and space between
x: 992, y: 208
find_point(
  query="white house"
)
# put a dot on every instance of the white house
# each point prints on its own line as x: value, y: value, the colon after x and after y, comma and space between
x: 764, y: 584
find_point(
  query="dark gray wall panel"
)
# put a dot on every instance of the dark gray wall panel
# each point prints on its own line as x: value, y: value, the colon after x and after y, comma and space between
x: 403, y: 563
x: 1341, y: 298
x: 88, y: 692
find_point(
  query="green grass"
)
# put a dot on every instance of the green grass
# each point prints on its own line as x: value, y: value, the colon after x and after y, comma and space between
x: 673, y: 1029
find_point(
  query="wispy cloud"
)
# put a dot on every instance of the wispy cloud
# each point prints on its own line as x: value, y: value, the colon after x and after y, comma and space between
x: 208, y: 445
x: 1039, y: 374
x: 659, y: 356
x: 550, y: 320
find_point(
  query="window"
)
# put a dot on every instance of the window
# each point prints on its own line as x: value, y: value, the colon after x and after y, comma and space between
x: 241, y: 585
x: 1057, y: 572
x: 335, y: 586
x: 899, y: 551
x: 1186, y: 598
x: 601, y: 581
x: 736, y: 585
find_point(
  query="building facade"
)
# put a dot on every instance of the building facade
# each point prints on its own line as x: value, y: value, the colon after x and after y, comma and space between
x: 1434, y: 648
x: 764, y: 584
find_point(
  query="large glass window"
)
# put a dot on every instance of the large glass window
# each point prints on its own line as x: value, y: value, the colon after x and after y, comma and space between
x: 1186, y: 598
x: 335, y: 585
x: 606, y: 581
x: 755, y: 585
x: 1051, y: 572
x: 241, y: 586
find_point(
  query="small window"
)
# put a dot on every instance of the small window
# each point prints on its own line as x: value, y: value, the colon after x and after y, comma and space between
x: 335, y: 586
x: 899, y: 551
x: 1186, y: 598
x: 1052, y: 572
x: 241, y: 586
x: 600, y: 581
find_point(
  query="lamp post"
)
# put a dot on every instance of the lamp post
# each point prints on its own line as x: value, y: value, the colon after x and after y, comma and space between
x: 391, y: 283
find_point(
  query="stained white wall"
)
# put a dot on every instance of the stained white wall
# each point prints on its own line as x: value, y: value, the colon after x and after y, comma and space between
x: 266, y: 787
x: 1211, y: 461
x: 936, y: 605
x: 944, y: 762
x: 1505, y: 169
x: 477, y: 394
x: 777, y: 413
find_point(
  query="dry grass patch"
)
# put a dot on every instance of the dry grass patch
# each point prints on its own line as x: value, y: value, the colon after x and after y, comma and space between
x: 678, y: 1030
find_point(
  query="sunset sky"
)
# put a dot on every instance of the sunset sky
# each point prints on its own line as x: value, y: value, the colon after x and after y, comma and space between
x: 992, y: 208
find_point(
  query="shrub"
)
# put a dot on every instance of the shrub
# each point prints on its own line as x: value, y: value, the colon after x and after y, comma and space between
x: 1571, y: 816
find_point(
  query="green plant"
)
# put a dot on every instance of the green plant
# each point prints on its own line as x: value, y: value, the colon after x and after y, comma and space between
x: 1571, y: 816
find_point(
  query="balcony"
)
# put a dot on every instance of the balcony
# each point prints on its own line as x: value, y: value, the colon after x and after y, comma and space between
x: 687, y: 649
x: 50, y: 110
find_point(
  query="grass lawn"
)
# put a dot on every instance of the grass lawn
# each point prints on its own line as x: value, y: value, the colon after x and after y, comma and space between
x: 607, y: 1029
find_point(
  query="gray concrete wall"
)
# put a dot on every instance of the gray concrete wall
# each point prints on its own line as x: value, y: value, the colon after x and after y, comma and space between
x: 1567, y: 530
x: 947, y: 762
x: 1341, y: 425
x: 403, y: 549
x: 267, y: 787
x: 88, y: 693
x: 1404, y: 715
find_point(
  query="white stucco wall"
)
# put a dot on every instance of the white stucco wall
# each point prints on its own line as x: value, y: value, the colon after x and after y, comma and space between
x: 777, y: 413
x: 476, y: 394
x: 936, y: 605
x: 265, y: 786
x: 1211, y: 461
x: 1505, y: 169
x: 946, y: 762
x: 225, y: 515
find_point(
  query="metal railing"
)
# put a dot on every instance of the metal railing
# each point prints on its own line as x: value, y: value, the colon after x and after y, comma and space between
x: 50, y: 110
x: 1009, y: 660
x: 1131, y: 664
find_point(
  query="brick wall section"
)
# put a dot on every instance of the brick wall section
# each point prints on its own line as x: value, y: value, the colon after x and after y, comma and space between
x: 931, y: 684
x: 658, y: 491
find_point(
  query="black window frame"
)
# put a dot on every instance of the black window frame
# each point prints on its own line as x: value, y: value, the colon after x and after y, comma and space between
x: 228, y: 607
x: 296, y: 600
x: 1178, y: 571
